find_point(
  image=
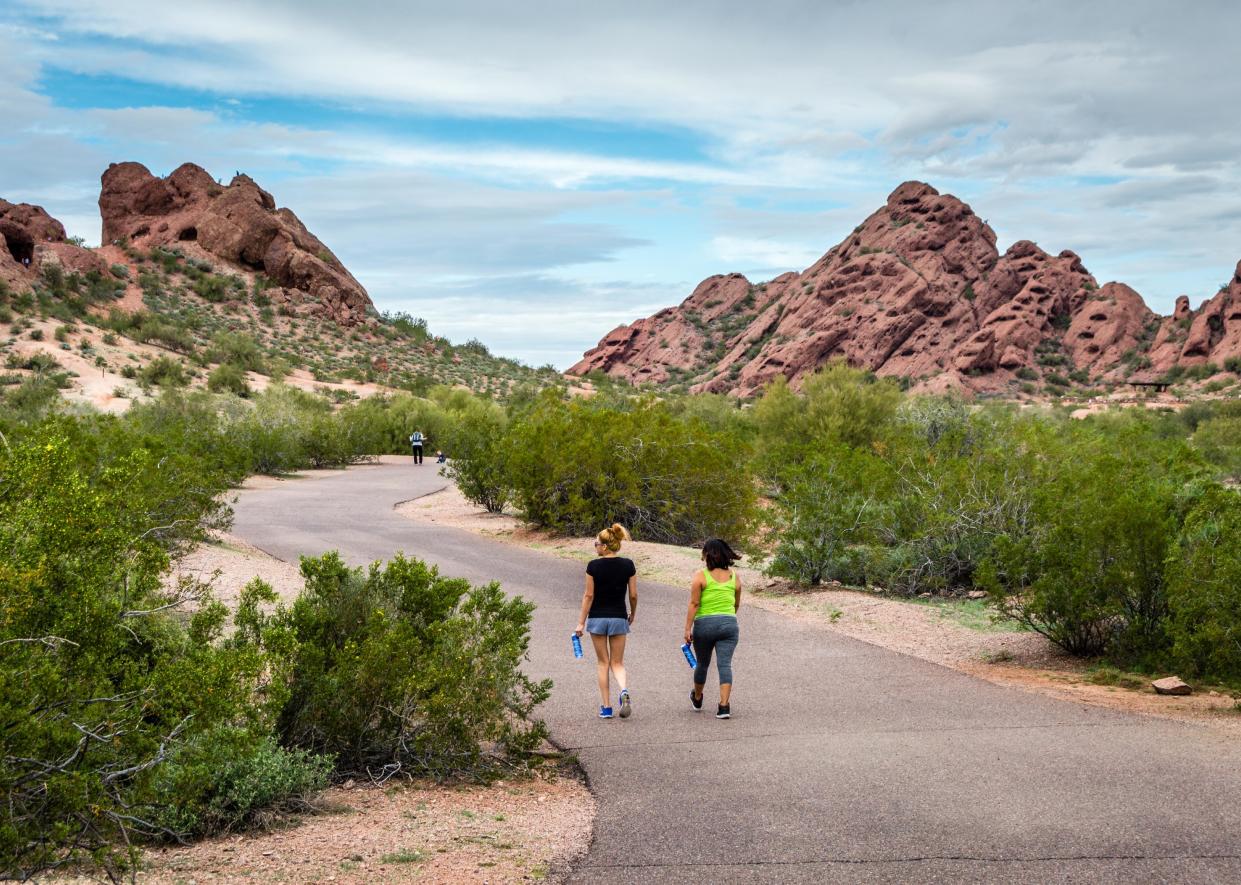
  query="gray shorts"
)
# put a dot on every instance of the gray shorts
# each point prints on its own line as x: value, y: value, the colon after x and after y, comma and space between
x: 607, y: 626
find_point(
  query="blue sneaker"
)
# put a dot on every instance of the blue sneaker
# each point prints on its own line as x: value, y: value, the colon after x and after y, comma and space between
x: 625, y: 707
x: 605, y: 712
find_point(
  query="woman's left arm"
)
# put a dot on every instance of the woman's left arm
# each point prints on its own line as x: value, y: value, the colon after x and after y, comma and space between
x: 633, y: 597
x: 737, y: 595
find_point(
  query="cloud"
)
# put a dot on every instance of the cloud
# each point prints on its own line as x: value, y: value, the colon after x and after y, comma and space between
x: 1105, y: 127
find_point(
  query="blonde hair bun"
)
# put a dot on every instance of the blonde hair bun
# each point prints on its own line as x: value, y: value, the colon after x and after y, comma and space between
x: 612, y: 537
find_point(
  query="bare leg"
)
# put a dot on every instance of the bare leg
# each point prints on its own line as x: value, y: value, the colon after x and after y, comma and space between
x: 601, y: 666
x: 726, y: 689
x: 616, y: 648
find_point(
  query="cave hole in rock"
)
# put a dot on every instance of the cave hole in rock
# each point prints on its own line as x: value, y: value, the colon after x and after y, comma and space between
x: 188, y: 234
x: 21, y: 246
x: 1098, y: 317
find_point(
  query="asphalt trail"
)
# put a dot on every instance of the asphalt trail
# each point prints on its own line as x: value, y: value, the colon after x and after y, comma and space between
x: 843, y: 762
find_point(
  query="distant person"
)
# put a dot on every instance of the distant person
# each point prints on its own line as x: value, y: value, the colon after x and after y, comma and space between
x: 711, y: 622
x: 609, y: 578
x: 415, y: 442
x: 440, y: 457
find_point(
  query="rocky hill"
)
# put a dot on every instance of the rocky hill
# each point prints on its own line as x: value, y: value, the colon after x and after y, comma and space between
x: 238, y: 223
x: 920, y: 291
x: 193, y: 273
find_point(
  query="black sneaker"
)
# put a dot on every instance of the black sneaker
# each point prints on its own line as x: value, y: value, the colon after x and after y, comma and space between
x: 722, y: 712
x: 696, y: 701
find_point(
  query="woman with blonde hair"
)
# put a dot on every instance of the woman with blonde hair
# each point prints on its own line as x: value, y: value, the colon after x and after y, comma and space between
x: 609, y: 579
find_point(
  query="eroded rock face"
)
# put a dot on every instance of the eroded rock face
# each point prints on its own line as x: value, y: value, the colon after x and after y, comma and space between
x: 238, y: 223
x: 30, y: 240
x: 918, y: 290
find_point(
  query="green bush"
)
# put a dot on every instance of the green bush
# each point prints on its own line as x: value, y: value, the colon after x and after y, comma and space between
x: 829, y: 507
x: 288, y: 429
x: 1219, y: 441
x: 1089, y: 572
x: 837, y: 404
x: 100, y: 683
x: 1204, y: 588
x: 228, y: 378
x: 575, y: 466
x: 228, y: 779
x: 237, y: 349
x: 400, y: 669
x: 163, y: 371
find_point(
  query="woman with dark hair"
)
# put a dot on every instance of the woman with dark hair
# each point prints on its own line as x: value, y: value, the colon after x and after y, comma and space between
x: 711, y: 622
x: 609, y: 580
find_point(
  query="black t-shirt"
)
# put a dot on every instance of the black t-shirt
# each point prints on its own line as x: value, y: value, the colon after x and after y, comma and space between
x: 611, y: 574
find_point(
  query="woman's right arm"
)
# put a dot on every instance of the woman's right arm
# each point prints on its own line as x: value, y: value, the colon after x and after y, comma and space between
x: 587, y: 598
x: 695, y: 598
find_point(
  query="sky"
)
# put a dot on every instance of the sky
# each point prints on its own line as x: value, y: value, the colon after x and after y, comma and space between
x: 532, y: 175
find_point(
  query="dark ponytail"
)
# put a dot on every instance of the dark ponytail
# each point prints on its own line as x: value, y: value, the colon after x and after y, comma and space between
x: 718, y: 554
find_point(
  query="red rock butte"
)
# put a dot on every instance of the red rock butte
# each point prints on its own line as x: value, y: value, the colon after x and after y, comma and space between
x: 918, y: 290
x: 237, y: 223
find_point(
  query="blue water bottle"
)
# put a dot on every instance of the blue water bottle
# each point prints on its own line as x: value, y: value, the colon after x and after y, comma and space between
x: 689, y: 654
x: 577, y: 645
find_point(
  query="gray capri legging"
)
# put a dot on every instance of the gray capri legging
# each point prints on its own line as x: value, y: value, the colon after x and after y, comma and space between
x: 716, y: 633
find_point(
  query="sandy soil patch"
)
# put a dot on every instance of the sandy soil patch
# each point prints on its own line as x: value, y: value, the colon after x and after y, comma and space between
x: 527, y: 830
x: 956, y: 634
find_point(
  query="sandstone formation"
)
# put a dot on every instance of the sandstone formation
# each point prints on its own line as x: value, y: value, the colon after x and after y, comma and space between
x: 31, y: 240
x: 918, y: 290
x: 237, y: 223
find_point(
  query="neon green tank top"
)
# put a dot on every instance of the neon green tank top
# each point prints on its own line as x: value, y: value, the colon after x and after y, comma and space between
x: 718, y: 597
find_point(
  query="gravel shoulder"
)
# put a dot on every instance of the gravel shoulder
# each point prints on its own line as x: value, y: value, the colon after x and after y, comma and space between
x: 959, y: 635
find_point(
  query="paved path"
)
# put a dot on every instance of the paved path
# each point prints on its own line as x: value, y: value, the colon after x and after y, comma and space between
x: 844, y: 762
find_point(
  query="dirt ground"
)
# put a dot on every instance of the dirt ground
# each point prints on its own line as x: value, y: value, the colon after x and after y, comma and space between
x: 958, y: 634
x: 526, y: 830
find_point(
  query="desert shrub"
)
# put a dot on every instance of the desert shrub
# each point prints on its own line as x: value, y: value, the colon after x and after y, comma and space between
x: 228, y: 378
x: 211, y: 288
x: 1233, y: 364
x: 1219, y: 441
x: 229, y: 778
x: 192, y: 427
x: 1204, y: 588
x: 163, y: 371
x: 1089, y: 572
x: 478, y: 461
x: 829, y: 508
x: 237, y: 349
x: 288, y: 429
x: 413, y: 328
x: 99, y: 683
x: 398, y: 668
x: 30, y: 399
x: 144, y: 328
x: 838, y: 404
x: 574, y: 466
